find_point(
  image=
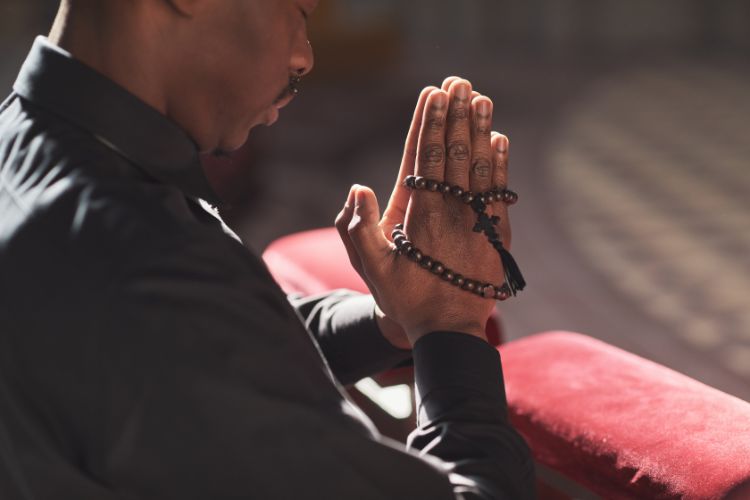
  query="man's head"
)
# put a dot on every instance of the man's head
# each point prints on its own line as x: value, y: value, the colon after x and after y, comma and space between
x: 216, y: 67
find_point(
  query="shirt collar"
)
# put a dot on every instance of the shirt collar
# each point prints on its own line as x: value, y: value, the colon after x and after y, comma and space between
x: 51, y: 78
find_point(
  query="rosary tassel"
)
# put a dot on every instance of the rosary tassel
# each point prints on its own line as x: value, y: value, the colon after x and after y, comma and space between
x: 513, y: 275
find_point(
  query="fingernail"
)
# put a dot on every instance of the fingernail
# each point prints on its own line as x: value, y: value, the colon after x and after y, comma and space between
x: 359, y: 198
x: 462, y: 91
x: 483, y: 108
x: 440, y: 100
x: 502, y: 145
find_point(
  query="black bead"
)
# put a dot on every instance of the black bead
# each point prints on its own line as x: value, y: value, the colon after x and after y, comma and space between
x: 448, y: 275
x: 407, y: 247
x: 498, y: 196
x: 467, y: 197
x: 399, y: 227
x: 469, y: 286
x: 415, y: 255
x: 458, y: 280
x: 457, y: 191
x: 444, y: 188
x: 431, y: 185
x: 438, y: 268
x: 400, y: 240
x: 510, y: 197
x: 420, y: 182
x: 409, y: 181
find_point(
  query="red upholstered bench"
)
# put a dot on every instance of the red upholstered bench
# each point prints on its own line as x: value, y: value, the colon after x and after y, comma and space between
x: 624, y: 426
x: 619, y: 425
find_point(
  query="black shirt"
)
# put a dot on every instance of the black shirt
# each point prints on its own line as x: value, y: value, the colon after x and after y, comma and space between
x: 145, y: 353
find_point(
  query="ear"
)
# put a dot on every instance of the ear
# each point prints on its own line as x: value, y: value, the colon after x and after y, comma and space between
x: 183, y: 7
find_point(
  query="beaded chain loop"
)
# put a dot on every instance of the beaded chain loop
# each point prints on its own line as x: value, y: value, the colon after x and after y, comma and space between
x: 482, y: 289
x: 486, y: 224
x: 496, y: 194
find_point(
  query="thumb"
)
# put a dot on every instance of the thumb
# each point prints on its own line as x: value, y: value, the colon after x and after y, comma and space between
x: 364, y: 231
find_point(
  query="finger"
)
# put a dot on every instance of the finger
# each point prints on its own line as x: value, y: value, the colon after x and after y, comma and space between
x: 343, y: 219
x: 396, y: 209
x: 448, y: 81
x: 500, y: 152
x: 458, y: 135
x: 366, y: 236
x: 481, y: 173
x: 431, y: 144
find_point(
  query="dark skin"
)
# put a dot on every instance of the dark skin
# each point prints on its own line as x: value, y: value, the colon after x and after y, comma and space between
x: 218, y: 68
x: 450, y: 140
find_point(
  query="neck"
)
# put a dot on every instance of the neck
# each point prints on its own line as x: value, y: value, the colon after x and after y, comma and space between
x: 116, y: 42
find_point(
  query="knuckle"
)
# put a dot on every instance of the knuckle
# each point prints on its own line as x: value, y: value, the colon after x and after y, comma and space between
x: 433, y: 154
x: 482, y: 168
x: 436, y: 122
x: 483, y: 129
x: 458, y: 151
x: 458, y: 114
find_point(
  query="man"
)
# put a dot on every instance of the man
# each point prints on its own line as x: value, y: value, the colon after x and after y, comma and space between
x: 146, y: 354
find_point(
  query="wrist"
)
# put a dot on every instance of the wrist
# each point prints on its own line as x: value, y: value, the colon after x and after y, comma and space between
x: 391, y: 330
x: 474, y: 329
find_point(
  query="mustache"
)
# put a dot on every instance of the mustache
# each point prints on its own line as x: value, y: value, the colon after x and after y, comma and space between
x: 291, y: 89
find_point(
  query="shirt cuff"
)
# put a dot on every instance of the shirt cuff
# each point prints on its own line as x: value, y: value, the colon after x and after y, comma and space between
x: 455, y: 370
x: 360, y: 348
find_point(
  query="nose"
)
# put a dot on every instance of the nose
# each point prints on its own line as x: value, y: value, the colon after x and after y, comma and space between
x: 302, y: 58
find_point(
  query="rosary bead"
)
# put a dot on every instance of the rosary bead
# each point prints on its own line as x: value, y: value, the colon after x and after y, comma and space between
x: 399, y: 226
x: 400, y: 240
x: 510, y: 197
x: 420, y: 182
x: 469, y: 286
x: 458, y: 280
x: 444, y: 188
x: 432, y: 185
x: 438, y: 268
x: 467, y: 197
x: 448, y: 275
x: 498, y: 195
x: 407, y: 247
x: 410, y: 181
x: 426, y: 262
x: 457, y: 191
x: 488, y: 292
x: 503, y: 293
x: 415, y: 255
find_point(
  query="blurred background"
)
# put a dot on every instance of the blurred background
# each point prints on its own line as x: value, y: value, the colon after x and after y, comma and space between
x: 630, y: 144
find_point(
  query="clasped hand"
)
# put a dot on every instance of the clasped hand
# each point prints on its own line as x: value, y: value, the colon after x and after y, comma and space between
x: 450, y: 140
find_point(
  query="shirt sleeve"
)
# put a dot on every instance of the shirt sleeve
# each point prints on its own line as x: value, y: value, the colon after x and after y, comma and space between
x: 343, y: 322
x: 208, y: 386
x: 462, y: 418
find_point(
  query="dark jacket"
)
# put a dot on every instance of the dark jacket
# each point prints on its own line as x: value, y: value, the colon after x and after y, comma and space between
x: 146, y: 353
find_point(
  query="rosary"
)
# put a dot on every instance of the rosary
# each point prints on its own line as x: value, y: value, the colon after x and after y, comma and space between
x: 486, y: 224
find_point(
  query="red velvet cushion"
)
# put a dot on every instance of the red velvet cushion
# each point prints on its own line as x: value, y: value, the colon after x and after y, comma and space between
x: 624, y: 426
x: 316, y: 261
